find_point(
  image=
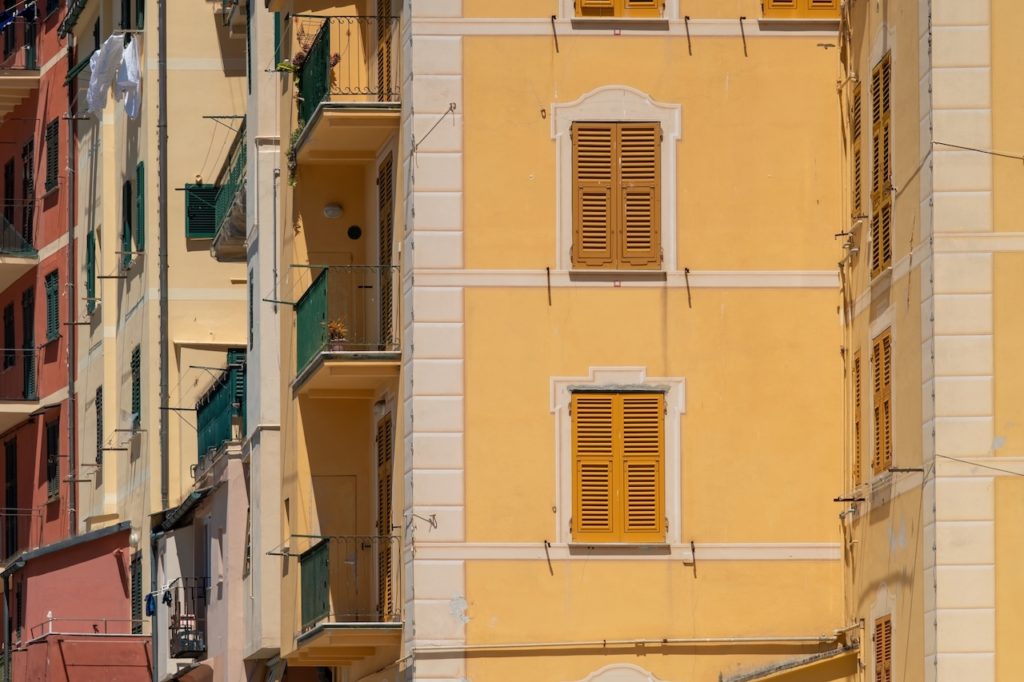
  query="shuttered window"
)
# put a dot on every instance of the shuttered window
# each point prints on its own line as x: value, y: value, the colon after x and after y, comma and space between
x: 619, y: 8
x: 856, y: 153
x: 9, y: 352
x: 801, y: 9
x: 618, y: 467
x: 53, y: 459
x: 52, y: 286
x: 140, y: 204
x: 386, y: 235
x: 385, y: 469
x: 126, y: 224
x: 52, y: 153
x: 883, y: 649
x: 881, y: 368
x: 136, y: 578
x: 90, y: 271
x: 28, y: 190
x: 858, y: 448
x: 881, y: 166
x: 98, y: 405
x: 136, y: 367
x: 616, y: 195
x: 200, y: 204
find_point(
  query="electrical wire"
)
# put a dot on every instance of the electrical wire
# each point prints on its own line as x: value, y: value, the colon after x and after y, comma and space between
x: 978, y: 464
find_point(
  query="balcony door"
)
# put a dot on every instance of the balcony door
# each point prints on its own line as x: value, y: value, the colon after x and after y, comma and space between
x: 385, y: 469
x: 386, y: 237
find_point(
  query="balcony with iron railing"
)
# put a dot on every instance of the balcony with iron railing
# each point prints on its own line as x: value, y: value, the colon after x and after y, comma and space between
x: 18, y: 385
x: 19, y: 67
x: 217, y: 211
x: 348, y: 76
x: 220, y: 412
x: 345, y: 331
x: 350, y: 596
x: 187, y: 618
x: 17, y: 255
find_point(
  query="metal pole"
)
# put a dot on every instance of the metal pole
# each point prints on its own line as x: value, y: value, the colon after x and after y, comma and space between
x: 72, y: 308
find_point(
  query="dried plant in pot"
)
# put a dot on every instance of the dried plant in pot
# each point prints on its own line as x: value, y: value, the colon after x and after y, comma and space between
x: 337, y: 334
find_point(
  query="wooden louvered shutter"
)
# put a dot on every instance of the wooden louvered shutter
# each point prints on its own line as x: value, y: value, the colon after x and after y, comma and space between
x: 593, y: 442
x: 639, y: 154
x: 876, y: 404
x: 883, y: 649
x: 858, y: 448
x: 856, y: 127
x: 881, y: 165
x: 90, y: 271
x: 595, y: 8
x: 594, y: 151
x: 386, y: 232
x: 126, y: 224
x: 642, y: 466
x: 386, y: 89
x: 886, y: 343
x: 385, y: 570
x: 140, y: 205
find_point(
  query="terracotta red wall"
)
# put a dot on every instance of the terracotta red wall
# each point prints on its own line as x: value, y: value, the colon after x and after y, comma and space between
x: 71, y: 658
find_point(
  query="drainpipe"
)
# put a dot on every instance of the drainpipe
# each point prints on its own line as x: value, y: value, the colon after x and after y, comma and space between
x: 7, y: 629
x: 161, y: 29
x: 71, y: 326
x: 154, y: 546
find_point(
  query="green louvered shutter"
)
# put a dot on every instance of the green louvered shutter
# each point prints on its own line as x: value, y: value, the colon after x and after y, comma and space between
x: 99, y: 425
x: 136, y: 387
x: 52, y: 307
x: 136, y: 576
x: 90, y: 271
x: 200, y: 206
x: 52, y: 156
x: 140, y: 206
x: 126, y: 224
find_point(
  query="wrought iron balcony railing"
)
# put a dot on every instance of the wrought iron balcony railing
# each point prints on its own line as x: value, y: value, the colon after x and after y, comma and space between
x: 187, y: 619
x: 350, y: 579
x: 347, y: 59
x: 221, y: 410
x: 347, y: 308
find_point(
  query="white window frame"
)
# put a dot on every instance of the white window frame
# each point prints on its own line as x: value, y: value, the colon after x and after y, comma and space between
x: 615, y: 104
x: 614, y: 379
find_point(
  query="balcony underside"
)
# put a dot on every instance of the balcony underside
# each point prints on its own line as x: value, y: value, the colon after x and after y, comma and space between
x: 348, y: 131
x: 13, y: 412
x: 331, y: 644
x: 15, y: 86
x: 12, y: 267
x: 349, y: 373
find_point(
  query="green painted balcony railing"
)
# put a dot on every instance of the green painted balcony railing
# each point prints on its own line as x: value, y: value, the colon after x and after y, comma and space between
x: 220, y: 207
x: 349, y: 59
x: 347, y: 309
x: 350, y: 579
x: 221, y: 411
x: 12, y: 243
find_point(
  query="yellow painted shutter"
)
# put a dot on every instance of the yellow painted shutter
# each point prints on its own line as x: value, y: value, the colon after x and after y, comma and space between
x: 386, y: 87
x: 593, y: 465
x: 642, y: 466
x: 641, y: 8
x: 878, y: 423
x: 594, y: 151
x: 595, y: 8
x: 385, y: 469
x: 639, y: 239
x: 883, y: 649
x: 857, y: 444
x: 881, y: 165
x: 801, y: 9
x: 887, y: 398
x: 823, y: 5
x: 856, y: 127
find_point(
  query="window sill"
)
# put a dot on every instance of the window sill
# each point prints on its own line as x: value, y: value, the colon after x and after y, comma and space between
x: 49, y: 340
x: 47, y: 191
x: 798, y: 24
x: 619, y: 548
x: 617, y: 276
x: 50, y: 499
x: 620, y: 23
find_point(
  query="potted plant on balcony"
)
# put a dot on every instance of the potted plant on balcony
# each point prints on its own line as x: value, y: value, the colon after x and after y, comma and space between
x: 337, y: 334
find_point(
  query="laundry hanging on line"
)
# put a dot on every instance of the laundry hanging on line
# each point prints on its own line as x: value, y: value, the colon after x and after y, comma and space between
x: 115, y: 65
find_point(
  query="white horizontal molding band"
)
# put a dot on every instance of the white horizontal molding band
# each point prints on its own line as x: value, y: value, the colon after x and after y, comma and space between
x: 752, y: 27
x: 983, y: 242
x: 900, y: 269
x: 698, y: 279
x: 522, y: 551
